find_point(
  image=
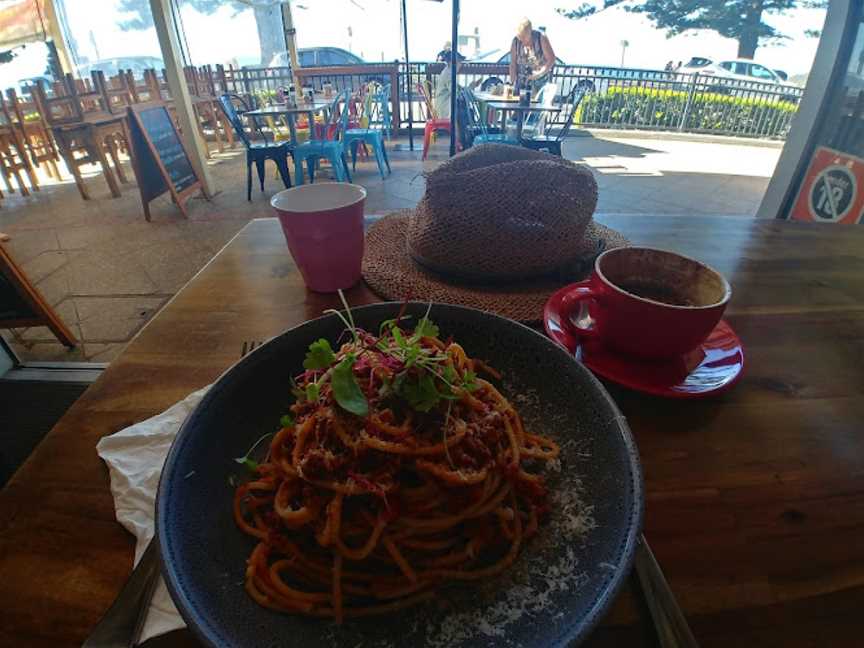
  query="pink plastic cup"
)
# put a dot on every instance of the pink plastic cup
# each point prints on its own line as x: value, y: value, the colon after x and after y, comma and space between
x: 323, y: 226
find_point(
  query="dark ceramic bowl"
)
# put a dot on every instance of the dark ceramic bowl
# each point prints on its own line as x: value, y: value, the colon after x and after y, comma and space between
x: 560, y: 586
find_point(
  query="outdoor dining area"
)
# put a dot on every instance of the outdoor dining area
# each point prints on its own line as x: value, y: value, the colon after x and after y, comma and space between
x: 494, y: 415
x: 81, y: 122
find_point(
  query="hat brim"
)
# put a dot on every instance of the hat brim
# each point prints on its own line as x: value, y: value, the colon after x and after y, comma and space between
x: 392, y: 274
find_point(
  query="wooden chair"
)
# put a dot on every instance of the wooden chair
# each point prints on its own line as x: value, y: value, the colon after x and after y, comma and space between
x: 204, y: 105
x: 83, y: 124
x: 34, y: 132
x: 145, y: 91
x: 40, y: 311
x: 13, y: 153
x: 114, y: 92
x: 210, y: 86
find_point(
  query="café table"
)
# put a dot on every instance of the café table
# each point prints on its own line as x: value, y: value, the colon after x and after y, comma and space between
x: 520, y: 111
x: 486, y: 97
x: 290, y: 112
x: 755, y: 498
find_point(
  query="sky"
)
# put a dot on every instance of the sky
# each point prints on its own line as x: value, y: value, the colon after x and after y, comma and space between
x: 371, y: 29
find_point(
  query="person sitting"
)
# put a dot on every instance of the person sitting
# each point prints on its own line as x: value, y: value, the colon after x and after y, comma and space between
x: 443, y: 92
x: 445, y: 54
x: 531, y: 58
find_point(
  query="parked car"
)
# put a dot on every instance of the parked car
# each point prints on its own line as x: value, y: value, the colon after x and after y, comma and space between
x: 328, y: 57
x: 112, y: 66
x: 740, y: 69
x: 31, y: 81
x: 735, y: 75
x: 318, y: 57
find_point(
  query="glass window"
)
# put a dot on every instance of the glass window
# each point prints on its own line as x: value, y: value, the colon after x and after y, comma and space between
x: 742, y: 68
x: 761, y: 72
x: 306, y: 58
x: 726, y: 65
x: 327, y: 56
x: 697, y: 62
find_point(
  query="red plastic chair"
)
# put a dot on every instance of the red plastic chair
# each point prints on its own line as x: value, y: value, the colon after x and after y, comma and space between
x: 434, y: 123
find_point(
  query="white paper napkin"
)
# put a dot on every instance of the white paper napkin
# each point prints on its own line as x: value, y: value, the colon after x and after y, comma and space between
x: 135, y: 456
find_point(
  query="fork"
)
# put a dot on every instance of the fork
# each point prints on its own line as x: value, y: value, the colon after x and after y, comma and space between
x: 249, y: 346
x: 121, y: 625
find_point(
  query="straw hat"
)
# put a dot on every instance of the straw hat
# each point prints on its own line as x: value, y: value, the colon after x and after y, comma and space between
x: 500, y: 228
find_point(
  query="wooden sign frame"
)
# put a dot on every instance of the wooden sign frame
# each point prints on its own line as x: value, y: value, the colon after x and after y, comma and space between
x: 42, y: 313
x: 148, y: 165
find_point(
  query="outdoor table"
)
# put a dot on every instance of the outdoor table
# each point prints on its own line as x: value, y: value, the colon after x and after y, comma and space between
x: 755, y: 498
x: 520, y: 111
x: 290, y: 113
x: 486, y: 97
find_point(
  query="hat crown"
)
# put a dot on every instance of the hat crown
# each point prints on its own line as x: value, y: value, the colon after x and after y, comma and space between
x: 499, y: 212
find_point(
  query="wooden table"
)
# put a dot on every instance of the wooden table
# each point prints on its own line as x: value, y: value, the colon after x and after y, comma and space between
x: 755, y: 499
x: 290, y: 113
x: 509, y: 106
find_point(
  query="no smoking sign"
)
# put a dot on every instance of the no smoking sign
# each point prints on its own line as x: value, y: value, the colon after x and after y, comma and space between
x: 831, y: 191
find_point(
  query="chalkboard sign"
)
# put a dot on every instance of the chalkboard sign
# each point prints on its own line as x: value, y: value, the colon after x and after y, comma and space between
x: 22, y: 305
x: 159, y: 158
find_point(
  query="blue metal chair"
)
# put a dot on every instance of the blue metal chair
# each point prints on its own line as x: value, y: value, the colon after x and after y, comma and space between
x: 257, y: 152
x: 485, y: 134
x: 354, y: 137
x: 379, y: 110
x: 547, y: 142
x: 330, y: 149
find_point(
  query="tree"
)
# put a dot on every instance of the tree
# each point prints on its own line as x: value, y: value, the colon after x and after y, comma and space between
x: 738, y: 19
x: 268, y: 19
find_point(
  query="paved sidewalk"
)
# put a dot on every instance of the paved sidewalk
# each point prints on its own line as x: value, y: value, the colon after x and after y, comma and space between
x: 107, y: 271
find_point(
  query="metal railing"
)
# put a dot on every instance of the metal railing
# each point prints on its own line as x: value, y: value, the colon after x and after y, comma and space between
x: 621, y: 98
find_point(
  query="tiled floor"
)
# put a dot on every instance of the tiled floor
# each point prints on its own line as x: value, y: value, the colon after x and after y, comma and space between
x: 106, y: 271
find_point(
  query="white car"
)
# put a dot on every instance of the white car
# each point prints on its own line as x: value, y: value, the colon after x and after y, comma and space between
x: 741, y: 69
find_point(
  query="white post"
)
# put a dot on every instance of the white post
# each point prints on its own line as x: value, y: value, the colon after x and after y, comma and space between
x: 177, y: 84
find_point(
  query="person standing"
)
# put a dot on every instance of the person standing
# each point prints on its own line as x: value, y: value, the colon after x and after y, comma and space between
x: 531, y: 57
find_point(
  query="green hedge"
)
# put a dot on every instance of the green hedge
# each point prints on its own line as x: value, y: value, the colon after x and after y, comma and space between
x: 663, y: 109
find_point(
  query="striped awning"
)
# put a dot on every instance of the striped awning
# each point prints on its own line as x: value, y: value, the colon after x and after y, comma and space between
x: 22, y: 21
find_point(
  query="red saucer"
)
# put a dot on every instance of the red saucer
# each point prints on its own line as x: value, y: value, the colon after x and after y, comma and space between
x: 712, y: 368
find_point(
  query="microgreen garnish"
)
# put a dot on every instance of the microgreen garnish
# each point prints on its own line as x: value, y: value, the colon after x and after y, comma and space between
x: 470, y: 381
x: 246, y: 460
x: 418, y: 390
x: 347, y: 319
x: 412, y: 370
x: 286, y: 420
x: 386, y: 325
x: 319, y: 356
x: 425, y: 328
x: 346, y: 391
x: 312, y: 392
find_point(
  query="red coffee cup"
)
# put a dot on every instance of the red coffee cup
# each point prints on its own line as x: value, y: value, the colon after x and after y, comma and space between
x: 648, y: 303
x: 323, y: 227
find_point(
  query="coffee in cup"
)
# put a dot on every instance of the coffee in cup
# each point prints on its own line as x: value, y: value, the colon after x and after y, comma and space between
x: 648, y: 303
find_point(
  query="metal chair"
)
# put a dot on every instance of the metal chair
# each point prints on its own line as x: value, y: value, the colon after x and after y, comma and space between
x: 482, y: 133
x: 546, y: 142
x: 379, y: 113
x: 434, y: 124
x: 354, y: 137
x: 329, y: 149
x: 257, y: 152
x: 535, y: 122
